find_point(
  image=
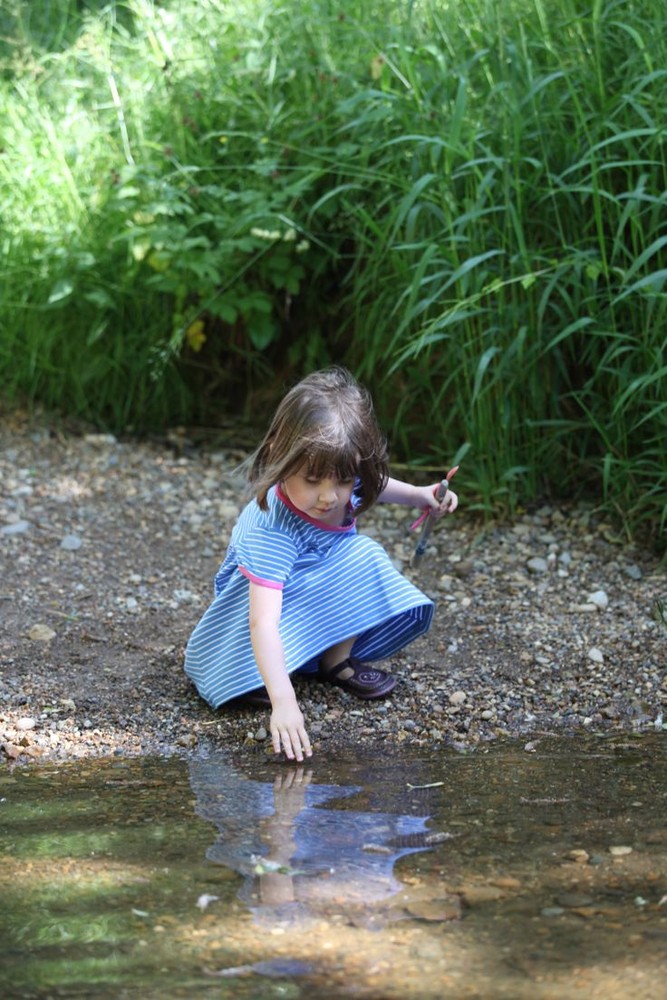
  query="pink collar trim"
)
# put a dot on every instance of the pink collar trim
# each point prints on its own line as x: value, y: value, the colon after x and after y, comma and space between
x: 311, y: 520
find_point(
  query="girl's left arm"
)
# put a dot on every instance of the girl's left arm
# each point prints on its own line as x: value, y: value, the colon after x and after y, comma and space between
x: 423, y: 497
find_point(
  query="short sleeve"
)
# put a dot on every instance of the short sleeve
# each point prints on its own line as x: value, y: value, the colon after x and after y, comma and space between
x: 266, y: 557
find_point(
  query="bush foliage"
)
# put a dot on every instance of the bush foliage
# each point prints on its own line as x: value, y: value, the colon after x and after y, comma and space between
x: 462, y: 200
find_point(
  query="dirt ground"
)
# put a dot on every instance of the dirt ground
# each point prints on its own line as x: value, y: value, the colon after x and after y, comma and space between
x: 108, y: 550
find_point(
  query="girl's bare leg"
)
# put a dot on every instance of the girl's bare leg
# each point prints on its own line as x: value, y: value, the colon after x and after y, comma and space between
x: 336, y: 654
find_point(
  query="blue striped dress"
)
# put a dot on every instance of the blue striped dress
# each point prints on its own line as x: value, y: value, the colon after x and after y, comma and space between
x: 335, y: 584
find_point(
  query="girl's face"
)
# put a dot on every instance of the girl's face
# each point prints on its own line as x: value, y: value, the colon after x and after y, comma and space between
x: 323, y: 499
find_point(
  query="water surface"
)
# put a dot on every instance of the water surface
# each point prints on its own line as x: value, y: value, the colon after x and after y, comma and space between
x: 522, y: 871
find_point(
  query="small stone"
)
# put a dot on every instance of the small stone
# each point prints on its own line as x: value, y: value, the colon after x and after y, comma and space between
x: 187, y: 740
x: 553, y: 911
x: 17, y: 528
x: 228, y: 510
x: 41, y: 633
x: 435, y: 910
x: 474, y: 895
x: 580, y: 856
x: 573, y: 900
x: 100, y: 440
x: 457, y: 698
x: 537, y: 565
x: 71, y: 543
x: 595, y: 655
x: 633, y: 571
x: 26, y: 723
x: 184, y: 596
x: 620, y: 850
x: 506, y: 882
x: 599, y: 599
x: 261, y: 734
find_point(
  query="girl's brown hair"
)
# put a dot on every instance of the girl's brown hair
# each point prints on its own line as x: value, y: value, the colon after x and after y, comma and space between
x: 327, y: 422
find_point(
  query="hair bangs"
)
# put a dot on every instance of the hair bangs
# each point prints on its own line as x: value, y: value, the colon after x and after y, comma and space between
x: 325, y: 458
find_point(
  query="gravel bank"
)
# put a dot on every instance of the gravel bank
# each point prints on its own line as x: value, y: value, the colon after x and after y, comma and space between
x: 108, y: 551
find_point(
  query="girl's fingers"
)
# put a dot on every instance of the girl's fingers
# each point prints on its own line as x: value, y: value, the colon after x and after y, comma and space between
x: 292, y: 746
x: 305, y: 743
x: 451, y: 502
x: 295, y: 745
x: 289, y: 734
x: 447, y: 505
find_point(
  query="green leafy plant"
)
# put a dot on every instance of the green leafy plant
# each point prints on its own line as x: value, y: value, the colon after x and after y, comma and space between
x: 203, y: 201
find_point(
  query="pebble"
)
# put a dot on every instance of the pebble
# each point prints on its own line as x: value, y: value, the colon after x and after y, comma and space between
x: 595, y: 655
x: 71, y: 543
x: 537, y: 565
x: 184, y: 596
x: 25, y: 724
x: 41, y: 633
x: 599, y: 599
x: 17, y: 528
x: 457, y: 698
x: 620, y: 850
x: 573, y: 900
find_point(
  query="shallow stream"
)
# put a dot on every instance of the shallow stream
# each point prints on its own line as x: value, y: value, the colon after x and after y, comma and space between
x: 521, y: 872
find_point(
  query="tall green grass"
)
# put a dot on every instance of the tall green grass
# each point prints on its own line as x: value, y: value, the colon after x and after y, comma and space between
x: 463, y: 201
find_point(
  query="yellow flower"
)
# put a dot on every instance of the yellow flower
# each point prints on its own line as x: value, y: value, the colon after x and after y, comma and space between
x: 377, y: 65
x: 195, y: 336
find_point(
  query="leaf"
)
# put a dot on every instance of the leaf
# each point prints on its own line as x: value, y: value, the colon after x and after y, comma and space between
x: 261, y: 330
x: 100, y: 298
x: 225, y: 310
x: 484, y: 363
x: 60, y: 291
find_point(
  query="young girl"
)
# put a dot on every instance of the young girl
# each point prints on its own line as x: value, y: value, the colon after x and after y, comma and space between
x: 299, y: 590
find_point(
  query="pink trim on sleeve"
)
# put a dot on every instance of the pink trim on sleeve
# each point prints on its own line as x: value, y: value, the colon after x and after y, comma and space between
x: 259, y: 581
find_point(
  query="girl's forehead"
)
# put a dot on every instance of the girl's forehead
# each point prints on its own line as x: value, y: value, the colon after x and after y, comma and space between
x: 326, y: 464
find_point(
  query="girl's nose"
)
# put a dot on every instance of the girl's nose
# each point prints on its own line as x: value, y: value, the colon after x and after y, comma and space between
x: 327, y: 491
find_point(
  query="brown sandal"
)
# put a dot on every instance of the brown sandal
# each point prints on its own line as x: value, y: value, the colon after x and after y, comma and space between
x: 366, y: 682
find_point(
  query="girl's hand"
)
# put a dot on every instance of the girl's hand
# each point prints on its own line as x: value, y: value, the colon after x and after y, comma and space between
x: 288, y: 730
x: 427, y: 501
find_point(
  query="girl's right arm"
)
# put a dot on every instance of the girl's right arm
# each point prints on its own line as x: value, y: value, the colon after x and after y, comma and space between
x: 287, y: 722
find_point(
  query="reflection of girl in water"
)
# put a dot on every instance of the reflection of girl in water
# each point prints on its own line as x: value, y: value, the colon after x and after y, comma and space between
x: 294, y: 849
